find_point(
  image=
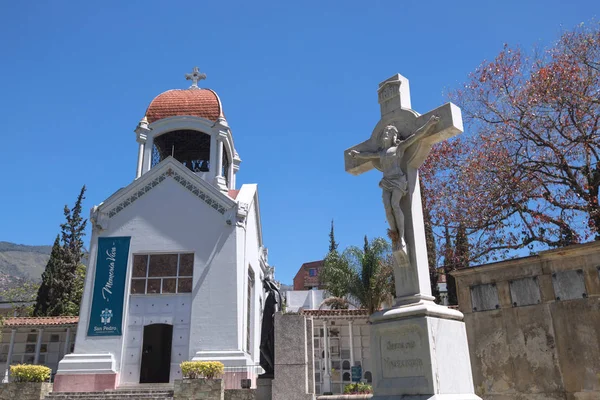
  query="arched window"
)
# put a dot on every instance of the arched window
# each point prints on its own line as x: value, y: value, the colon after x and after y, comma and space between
x: 368, y: 377
x: 191, y: 148
x: 346, y: 377
x: 346, y: 365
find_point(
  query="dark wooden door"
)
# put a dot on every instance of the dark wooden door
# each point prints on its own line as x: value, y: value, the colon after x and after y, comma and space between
x: 156, y: 353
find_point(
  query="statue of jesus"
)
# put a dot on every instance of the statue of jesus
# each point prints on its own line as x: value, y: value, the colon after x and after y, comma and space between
x: 394, y: 184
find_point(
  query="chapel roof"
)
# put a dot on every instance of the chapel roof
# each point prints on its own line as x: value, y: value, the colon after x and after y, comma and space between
x: 194, y: 102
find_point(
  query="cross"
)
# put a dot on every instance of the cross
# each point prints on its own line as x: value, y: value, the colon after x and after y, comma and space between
x: 411, y: 268
x: 195, y: 76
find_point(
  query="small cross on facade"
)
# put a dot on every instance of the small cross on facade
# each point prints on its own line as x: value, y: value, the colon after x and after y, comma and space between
x: 195, y: 76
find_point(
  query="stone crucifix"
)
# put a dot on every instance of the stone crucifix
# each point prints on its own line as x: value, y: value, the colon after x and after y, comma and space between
x: 195, y: 77
x: 397, y: 147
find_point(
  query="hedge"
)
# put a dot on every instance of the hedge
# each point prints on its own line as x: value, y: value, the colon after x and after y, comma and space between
x: 201, y: 369
x: 358, y: 388
x: 29, y: 373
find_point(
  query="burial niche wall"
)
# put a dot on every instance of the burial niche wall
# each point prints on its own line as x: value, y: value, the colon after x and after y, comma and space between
x: 524, y: 291
x: 484, y: 297
x: 569, y: 285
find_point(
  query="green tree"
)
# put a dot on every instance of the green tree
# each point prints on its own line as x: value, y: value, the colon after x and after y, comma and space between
x: 333, y: 276
x: 333, y: 245
x: 526, y: 173
x: 62, y: 281
x: 363, y: 277
x: 46, y: 290
x: 21, y: 296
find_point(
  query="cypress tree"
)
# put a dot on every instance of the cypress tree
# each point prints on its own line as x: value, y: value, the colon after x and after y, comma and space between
x: 62, y: 281
x: 449, y: 266
x: 333, y: 245
x: 461, y: 245
x: 46, y: 289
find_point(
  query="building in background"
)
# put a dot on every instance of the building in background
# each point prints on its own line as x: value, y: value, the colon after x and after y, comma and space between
x: 36, y: 340
x: 307, y: 277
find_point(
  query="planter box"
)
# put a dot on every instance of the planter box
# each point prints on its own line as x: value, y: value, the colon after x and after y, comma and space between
x: 345, y: 397
x: 24, y: 390
x: 199, y: 389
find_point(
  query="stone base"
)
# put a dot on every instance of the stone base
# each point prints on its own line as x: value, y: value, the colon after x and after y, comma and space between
x: 419, y: 351
x: 264, y: 388
x: 25, y: 390
x: 85, y: 382
x: 191, y: 389
x: 86, y: 373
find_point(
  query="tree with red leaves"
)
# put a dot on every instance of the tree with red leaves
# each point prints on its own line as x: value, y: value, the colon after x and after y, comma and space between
x: 527, y: 171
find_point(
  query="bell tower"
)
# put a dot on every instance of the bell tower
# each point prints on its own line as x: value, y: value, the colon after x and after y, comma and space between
x: 189, y: 125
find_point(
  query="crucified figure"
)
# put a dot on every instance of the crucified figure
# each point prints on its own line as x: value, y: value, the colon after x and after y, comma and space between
x: 394, y: 183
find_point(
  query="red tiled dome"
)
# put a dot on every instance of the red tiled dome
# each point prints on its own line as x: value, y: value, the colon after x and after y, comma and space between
x: 202, y: 103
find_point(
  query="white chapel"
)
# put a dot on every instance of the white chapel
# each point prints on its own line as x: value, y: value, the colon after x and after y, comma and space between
x: 176, y: 257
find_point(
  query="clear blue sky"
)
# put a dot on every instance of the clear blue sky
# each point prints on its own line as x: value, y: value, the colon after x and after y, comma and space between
x: 297, y: 80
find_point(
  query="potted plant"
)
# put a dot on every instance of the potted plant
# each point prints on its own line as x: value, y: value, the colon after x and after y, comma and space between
x: 27, y: 382
x: 201, y: 380
x: 358, y: 388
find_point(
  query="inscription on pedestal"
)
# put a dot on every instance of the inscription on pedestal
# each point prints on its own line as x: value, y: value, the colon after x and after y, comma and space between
x: 402, y: 352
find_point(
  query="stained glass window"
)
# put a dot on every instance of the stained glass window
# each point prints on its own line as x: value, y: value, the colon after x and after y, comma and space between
x: 162, y: 273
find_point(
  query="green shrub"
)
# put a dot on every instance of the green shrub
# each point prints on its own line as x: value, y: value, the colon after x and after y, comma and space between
x: 201, y: 369
x: 29, y: 373
x: 358, y: 388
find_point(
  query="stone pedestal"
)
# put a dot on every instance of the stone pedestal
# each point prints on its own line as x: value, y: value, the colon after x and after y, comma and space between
x: 294, y: 373
x: 420, y: 352
x: 264, y: 388
x: 86, y: 373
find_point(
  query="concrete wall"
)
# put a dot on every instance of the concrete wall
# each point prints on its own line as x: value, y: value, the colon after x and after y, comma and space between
x: 173, y: 309
x: 533, y: 325
x: 294, y: 368
x: 305, y: 299
x: 24, y: 391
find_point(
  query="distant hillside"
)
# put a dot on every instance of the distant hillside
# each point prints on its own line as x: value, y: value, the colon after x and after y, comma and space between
x: 20, y: 263
x: 23, y: 261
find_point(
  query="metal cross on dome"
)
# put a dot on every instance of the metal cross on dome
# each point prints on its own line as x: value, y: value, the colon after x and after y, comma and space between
x: 195, y: 76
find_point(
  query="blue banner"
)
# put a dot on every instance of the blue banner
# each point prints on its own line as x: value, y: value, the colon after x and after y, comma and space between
x: 108, y: 298
x: 356, y: 373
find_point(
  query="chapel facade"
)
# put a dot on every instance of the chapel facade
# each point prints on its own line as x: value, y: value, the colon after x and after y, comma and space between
x: 177, y: 259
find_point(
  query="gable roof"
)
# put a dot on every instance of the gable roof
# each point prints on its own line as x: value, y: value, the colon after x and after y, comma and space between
x: 167, y: 169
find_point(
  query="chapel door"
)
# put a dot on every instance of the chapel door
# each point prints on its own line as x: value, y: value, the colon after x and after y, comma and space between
x: 156, y: 354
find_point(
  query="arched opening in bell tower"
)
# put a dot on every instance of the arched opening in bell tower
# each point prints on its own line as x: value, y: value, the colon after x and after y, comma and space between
x: 226, y: 166
x: 191, y: 148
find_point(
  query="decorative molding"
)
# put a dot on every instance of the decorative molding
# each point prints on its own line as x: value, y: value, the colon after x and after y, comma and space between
x: 183, y: 181
x: 141, y: 137
x: 242, y: 214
